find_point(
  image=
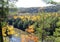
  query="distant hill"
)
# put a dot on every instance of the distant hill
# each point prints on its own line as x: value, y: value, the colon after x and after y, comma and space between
x: 29, y: 10
x: 39, y: 9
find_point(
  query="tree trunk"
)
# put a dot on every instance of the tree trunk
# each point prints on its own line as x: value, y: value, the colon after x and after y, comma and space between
x: 1, y: 36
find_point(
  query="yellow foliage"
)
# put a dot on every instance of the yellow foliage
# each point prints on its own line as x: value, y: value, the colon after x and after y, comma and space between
x: 38, y: 17
x: 10, y: 28
x: 11, y: 32
x: 33, y: 18
x: 4, y: 34
x: 31, y: 26
x: 3, y: 31
x: 22, y: 17
x: 29, y: 17
x: 56, y: 14
x: 15, y: 17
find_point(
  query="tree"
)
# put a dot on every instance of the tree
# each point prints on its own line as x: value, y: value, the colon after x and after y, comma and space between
x: 3, y: 15
x: 4, y: 11
x: 50, y: 1
x: 12, y: 8
x: 57, y: 34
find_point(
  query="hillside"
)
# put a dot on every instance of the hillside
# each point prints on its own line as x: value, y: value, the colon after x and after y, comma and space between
x: 39, y: 9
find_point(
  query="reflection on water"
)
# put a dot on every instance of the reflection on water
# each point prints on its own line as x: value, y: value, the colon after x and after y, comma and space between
x: 18, y: 39
x: 15, y: 39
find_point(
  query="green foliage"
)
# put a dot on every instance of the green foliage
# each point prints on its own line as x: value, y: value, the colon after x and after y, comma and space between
x: 4, y: 11
x: 3, y: 16
x: 57, y: 32
x: 47, y: 25
x: 50, y: 38
x: 50, y: 1
x: 3, y: 24
x: 57, y: 39
x: 58, y: 18
x: 58, y: 24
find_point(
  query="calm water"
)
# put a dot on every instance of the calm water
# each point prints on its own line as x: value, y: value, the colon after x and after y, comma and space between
x: 15, y: 39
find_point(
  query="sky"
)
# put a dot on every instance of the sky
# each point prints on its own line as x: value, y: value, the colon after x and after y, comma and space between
x: 57, y: 0
x: 32, y: 3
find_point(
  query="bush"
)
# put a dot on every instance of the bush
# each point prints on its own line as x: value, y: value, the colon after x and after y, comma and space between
x: 58, y: 24
x: 57, y: 39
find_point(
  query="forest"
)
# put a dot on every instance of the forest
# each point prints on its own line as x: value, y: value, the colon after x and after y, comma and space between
x: 44, y: 25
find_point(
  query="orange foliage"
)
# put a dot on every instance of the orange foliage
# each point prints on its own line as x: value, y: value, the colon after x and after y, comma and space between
x: 30, y: 29
x: 29, y: 37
